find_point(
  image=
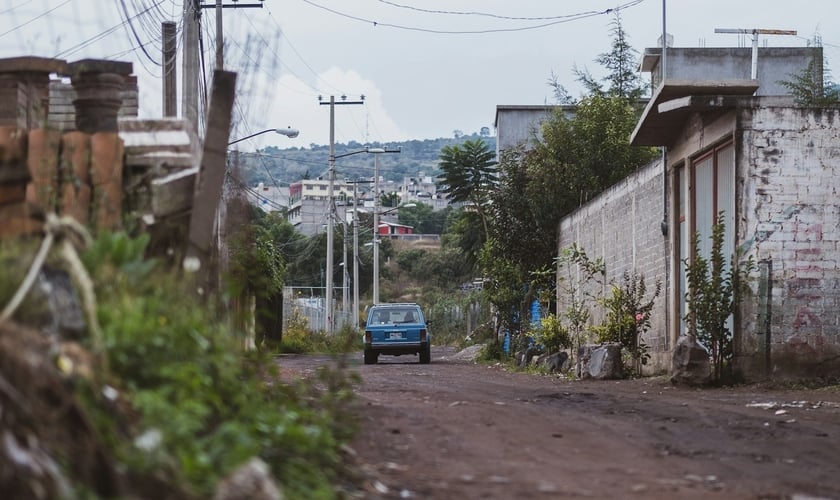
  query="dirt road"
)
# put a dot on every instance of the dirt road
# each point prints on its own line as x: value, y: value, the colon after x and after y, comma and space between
x: 454, y: 429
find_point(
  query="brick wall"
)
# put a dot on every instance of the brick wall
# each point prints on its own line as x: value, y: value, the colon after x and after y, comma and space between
x: 622, y: 226
x: 790, y: 164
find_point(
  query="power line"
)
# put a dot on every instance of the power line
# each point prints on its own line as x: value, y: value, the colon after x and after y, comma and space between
x: 39, y: 16
x: 481, y: 14
x: 572, y: 17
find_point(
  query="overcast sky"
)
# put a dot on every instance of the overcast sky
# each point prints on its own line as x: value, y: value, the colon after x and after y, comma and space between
x: 426, y: 67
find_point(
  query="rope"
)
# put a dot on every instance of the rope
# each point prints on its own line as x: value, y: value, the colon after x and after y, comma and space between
x: 65, y: 228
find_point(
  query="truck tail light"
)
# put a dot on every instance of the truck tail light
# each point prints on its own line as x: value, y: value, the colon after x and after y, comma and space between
x: 367, y: 337
x: 423, y: 335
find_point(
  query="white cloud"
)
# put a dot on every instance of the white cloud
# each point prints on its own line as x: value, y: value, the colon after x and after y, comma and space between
x: 288, y: 101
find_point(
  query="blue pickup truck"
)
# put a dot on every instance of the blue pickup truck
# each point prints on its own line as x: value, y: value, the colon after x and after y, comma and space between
x: 397, y: 329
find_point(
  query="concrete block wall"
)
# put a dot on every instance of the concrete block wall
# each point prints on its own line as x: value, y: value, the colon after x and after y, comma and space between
x: 622, y: 226
x: 791, y: 217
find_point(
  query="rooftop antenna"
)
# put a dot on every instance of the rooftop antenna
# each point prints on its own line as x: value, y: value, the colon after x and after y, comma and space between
x: 755, y: 32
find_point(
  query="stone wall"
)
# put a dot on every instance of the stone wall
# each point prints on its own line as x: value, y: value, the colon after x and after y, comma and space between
x: 790, y: 220
x: 622, y: 226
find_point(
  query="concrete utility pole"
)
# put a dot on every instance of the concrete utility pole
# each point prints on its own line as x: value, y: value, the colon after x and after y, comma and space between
x: 356, y: 252
x: 328, y: 318
x: 189, y: 87
x: 755, y: 32
x: 191, y: 58
x: 170, y: 75
x: 376, y: 221
x: 220, y: 37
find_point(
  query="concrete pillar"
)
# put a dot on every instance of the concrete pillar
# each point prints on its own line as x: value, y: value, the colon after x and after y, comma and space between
x: 99, y: 93
x: 24, y: 90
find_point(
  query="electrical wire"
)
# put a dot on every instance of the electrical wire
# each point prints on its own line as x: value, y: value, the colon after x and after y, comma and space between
x: 572, y: 17
x: 39, y: 16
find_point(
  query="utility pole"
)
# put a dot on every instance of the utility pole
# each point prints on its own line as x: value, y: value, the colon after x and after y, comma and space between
x: 755, y: 32
x: 376, y: 222
x: 169, y: 54
x: 355, y: 255
x: 345, y: 291
x: 356, y: 252
x: 328, y: 327
x: 192, y: 63
x: 189, y: 91
x: 220, y: 37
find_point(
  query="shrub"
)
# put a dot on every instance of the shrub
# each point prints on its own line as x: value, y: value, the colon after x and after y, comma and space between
x: 714, y: 291
x: 204, y: 406
x: 628, y: 317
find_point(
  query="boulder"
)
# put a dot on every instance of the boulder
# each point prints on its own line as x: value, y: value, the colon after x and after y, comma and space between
x: 600, y: 362
x: 557, y: 362
x: 691, y: 364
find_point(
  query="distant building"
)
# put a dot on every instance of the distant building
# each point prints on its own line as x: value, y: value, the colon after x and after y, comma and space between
x: 308, y: 207
x: 268, y: 198
x: 517, y: 124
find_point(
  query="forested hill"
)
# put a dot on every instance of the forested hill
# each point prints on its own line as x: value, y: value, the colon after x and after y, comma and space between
x: 279, y: 167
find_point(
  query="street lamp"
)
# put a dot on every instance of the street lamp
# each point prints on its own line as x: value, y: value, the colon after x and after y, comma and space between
x: 289, y: 132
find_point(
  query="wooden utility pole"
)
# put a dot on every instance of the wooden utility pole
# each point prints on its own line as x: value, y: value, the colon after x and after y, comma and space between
x: 170, y: 92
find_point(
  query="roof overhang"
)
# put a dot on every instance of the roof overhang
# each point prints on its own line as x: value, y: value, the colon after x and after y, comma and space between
x: 675, y: 100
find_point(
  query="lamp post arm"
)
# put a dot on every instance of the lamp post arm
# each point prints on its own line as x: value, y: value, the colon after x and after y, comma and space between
x: 288, y: 132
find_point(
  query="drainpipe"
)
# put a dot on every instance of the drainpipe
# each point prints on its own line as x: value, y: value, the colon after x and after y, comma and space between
x: 663, y: 226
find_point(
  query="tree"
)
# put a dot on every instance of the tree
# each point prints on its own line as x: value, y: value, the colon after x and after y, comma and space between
x: 469, y: 175
x: 423, y: 218
x: 575, y: 159
x: 813, y: 86
x: 622, y: 79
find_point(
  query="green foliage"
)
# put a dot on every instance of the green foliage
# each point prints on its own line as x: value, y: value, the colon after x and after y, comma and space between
x: 521, y: 231
x: 300, y: 340
x: 628, y: 316
x: 468, y: 175
x: 407, y: 260
x: 490, y: 352
x: 552, y: 334
x: 714, y: 292
x: 204, y: 403
x: 621, y: 62
x: 423, y: 218
x: 576, y: 273
x: 503, y: 284
x: 813, y: 86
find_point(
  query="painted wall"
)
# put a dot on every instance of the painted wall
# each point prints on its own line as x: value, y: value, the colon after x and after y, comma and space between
x: 790, y: 216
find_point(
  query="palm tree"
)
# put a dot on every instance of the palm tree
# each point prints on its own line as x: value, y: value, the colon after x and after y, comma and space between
x: 469, y: 175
